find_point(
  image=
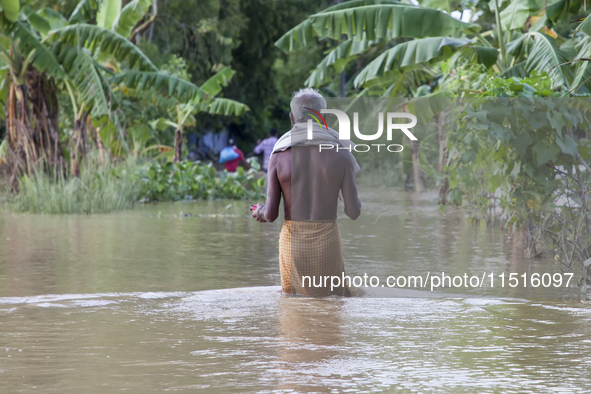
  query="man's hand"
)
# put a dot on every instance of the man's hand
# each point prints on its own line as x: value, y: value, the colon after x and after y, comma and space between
x: 256, y: 215
x: 259, y: 141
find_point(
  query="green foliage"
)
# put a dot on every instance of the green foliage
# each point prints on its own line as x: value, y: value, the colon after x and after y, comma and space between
x: 543, y: 55
x: 84, y: 11
x: 337, y: 59
x: 214, y: 84
x: 372, y: 22
x: 86, y: 74
x: 412, y: 53
x: 107, y: 12
x: 516, y: 150
x: 227, y: 107
x: 520, y: 41
x: 537, y: 85
x: 177, y: 67
x: 53, y: 18
x: 525, y: 161
x: 130, y: 15
x: 155, y: 81
x: 98, y: 189
x: 9, y: 9
x: 210, y: 35
x: 192, y: 180
x: 107, y: 42
x: 260, y: 82
x: 516, y: 13
x: 39, y: 54
x: 583, y: 70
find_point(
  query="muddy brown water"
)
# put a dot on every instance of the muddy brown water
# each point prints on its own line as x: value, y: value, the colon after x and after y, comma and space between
x: 185, y: 297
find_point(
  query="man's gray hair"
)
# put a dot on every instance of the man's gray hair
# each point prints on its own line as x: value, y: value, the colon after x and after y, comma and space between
x: 303, y: 98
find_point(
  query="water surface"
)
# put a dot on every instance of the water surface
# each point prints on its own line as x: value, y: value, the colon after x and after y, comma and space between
x: 185, y: 297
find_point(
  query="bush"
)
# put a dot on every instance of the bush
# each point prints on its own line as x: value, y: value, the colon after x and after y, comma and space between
x: 192, y: 180
x: 98, y: 189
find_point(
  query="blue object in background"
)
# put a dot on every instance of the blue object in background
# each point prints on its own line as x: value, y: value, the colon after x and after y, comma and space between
x: 227, y: 154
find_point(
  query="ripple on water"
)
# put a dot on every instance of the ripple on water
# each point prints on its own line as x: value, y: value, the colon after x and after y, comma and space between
x: 260, y: 340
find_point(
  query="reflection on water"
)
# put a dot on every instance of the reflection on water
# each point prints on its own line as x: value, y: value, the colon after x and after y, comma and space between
x: 256, y: 340
x: 141, y: 301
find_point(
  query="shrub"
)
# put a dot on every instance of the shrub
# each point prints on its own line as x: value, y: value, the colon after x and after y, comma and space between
x: 98, y: 189
x: 192, y: 180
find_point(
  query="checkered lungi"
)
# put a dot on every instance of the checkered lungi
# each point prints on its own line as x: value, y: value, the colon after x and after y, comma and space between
x: 311, y: 249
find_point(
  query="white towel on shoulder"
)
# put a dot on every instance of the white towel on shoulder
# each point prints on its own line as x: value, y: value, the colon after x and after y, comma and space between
x: 298, y: 136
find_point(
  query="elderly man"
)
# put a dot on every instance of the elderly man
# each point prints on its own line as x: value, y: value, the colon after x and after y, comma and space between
x: 311, y: 182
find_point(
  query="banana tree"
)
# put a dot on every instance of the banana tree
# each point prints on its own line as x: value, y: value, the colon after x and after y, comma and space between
x: 360, y: 26
x: 105, y: 45
x: 521, y: 41
x: 31, y: 103
x: 205, y: 101
x: 405, y: 43
x: 46, y: 52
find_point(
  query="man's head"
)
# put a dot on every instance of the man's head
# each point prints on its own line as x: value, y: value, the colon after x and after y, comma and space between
x: 273, y: 133
x: 303, y: 98
x: 231, y: 142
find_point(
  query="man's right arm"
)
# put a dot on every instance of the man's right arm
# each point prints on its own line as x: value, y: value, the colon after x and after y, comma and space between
x: 270, y: 210
x: 349, y: 192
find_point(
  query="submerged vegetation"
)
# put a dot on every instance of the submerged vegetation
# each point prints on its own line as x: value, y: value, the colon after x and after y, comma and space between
x: 192, y: 180
x: 105, y: 188
x: 523, y: 163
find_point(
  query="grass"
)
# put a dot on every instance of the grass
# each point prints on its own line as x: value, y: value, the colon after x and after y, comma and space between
x: 98, y: 189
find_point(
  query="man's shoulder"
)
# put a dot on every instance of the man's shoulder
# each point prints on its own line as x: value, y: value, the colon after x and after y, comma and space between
x: 281, y: 154
x: 280, y: 160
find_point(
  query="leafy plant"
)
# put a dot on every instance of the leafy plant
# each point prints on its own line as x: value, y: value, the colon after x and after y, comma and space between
x: 525, y: 161
x: 192, y: 180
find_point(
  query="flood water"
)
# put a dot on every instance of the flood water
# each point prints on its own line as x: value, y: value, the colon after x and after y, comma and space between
x: 185, y: 297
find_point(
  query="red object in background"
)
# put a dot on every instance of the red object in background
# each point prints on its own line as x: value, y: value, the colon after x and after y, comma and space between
x: 232, y: 165
x: 253, y: 208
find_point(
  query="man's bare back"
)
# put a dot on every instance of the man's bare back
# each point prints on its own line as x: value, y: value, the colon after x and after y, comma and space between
x: 310, y: 181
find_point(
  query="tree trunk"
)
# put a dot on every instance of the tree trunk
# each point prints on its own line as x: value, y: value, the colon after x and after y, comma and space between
x: 443, y: 155
x: 75, y: 150
x: 98, y: 144
x: 79, y: 148
x: 416, y: 169
x: 33, y: 125
x: 45, y: 108
x: 18, y: 139
x: 178, y: 146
